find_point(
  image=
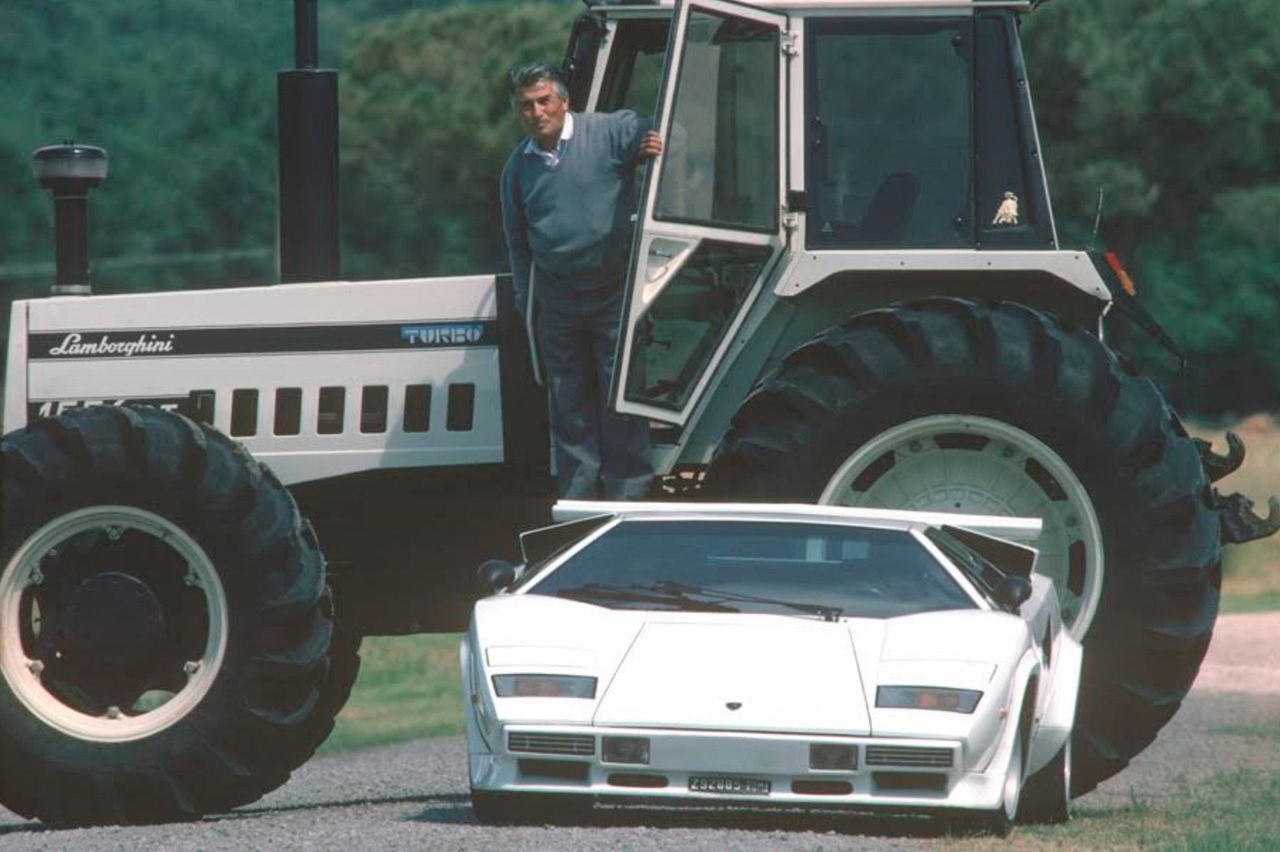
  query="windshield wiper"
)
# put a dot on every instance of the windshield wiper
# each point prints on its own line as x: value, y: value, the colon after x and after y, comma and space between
x: 828, y: 613
x: 641, y: 594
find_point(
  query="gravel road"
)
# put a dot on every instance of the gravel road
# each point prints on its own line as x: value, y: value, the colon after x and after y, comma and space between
x: 414, y: 796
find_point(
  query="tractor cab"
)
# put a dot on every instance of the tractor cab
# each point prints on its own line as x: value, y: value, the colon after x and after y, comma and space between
x: 798, y: 138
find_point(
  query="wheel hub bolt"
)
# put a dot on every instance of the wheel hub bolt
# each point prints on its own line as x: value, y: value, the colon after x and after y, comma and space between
x: 191, y: 579
x: 191, y: 666
x: 914, y: 446
x: 36, y: 667
x: 36, y: 577
x: 1007, y: 452
x: 114, y: 532
x: 113, y: 712
x: 1070, y: 521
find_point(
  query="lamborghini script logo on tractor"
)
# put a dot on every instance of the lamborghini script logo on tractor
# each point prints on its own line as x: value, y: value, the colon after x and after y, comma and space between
x: 74, y: 345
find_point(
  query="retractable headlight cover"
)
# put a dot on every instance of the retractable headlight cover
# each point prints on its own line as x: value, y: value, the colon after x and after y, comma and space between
x: 544, y: 686
x: 928, y: 698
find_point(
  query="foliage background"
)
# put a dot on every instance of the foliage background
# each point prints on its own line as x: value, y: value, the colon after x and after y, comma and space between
x: 1170, y: 105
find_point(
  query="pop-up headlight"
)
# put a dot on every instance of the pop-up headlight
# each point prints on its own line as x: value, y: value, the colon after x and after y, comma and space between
x: 544, y: 686
x: 928, y: 698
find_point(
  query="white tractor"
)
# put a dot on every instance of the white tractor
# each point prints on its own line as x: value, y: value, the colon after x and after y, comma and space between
x: 846, y: 287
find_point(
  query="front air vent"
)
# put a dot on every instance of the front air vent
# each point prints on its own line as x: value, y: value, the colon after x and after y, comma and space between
x: 918, y: 782
x: 647, y: 780
x: 553, y: 770
x: 821, y: 788
x: 575, y: 744
x: 909, y: 756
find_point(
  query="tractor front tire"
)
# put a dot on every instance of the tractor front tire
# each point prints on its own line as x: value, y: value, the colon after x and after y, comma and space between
x: 165, y: 625
x: 951, y: 405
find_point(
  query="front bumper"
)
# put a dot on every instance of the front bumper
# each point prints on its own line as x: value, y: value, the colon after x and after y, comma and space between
x: 898, y: 773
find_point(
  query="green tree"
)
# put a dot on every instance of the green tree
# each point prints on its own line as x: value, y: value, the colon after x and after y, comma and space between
x: 427, y: 126
x: 1172, y: 107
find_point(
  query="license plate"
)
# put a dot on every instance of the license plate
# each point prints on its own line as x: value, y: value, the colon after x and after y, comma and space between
x: 729, y: 785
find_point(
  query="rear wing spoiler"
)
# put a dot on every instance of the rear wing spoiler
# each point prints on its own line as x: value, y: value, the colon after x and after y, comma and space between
x: 991, y: 528
x: 1007, y: 556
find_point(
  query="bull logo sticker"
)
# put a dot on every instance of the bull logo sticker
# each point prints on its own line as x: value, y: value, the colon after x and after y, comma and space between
x: 1007, y: 213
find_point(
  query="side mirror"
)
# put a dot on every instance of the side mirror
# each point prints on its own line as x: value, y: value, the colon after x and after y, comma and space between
x: 1012, y: 592
x: 496, y: 574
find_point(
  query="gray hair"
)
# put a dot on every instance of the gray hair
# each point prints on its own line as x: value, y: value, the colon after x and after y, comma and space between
x: 532, y: 73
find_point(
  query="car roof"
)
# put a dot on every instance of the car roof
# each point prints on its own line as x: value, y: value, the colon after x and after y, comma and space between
x: 820, y: 6
x: 1021, y: 529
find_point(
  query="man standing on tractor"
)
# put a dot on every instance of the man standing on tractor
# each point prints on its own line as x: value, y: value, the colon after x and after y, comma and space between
x: 568, y: 191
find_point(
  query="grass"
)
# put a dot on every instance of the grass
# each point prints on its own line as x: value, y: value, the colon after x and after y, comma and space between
x: 409, y: 687
x: 1265, y: 601
x: 1232, y: 812
x: 1251, y: 572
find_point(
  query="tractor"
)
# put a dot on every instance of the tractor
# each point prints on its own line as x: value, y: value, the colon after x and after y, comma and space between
x: 846, y: 287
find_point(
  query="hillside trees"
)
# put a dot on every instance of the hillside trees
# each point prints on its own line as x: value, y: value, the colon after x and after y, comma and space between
x: 426, y: 127
x: 1173, y: 107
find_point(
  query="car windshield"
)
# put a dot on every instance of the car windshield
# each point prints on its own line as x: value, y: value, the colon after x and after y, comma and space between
x: 816, y: 569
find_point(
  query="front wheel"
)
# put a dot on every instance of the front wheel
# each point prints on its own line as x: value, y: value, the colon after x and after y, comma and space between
x: 1046, y: 797
x: 164, y: 622
x: 955, y: 406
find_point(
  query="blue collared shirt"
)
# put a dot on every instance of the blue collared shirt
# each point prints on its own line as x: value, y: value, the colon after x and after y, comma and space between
x: 552, y: 157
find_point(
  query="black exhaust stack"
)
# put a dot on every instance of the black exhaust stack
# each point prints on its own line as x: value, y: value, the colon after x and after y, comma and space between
x: 307, y: 100
x: 69, y: 171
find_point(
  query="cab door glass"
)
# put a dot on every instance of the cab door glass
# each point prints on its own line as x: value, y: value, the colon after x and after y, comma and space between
x: 722, y: 164
x: 889, y: 137
x: 678, y: 337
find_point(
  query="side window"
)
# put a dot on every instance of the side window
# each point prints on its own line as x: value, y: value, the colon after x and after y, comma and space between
x: 722, y: 166
x: 634, y: 72
x: 889, y: 141
x: 1012, y: 209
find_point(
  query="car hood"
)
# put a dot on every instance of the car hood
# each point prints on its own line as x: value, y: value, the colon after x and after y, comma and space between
x: 747, y: 672
x: 781, y: 673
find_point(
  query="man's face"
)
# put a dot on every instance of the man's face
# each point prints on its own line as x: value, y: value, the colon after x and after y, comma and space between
x: 542, y: 112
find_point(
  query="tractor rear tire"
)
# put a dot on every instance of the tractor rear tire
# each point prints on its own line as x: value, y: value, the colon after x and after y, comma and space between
x: 951, y: 405
x: 165, y: 623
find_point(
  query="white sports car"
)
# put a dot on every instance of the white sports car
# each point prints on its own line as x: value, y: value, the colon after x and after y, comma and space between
x: 793, y: 656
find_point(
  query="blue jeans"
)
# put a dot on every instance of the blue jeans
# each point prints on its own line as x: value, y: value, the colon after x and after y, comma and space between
x: 598, y: 452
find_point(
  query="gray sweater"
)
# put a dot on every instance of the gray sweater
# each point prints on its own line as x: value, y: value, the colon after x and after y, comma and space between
x: 573, y: 221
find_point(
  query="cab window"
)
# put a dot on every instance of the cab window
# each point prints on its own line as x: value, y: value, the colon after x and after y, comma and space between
x: 634, y: 73
x: 889, y: 146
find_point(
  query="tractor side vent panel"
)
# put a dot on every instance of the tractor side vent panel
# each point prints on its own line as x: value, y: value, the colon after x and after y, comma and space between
x: 328, y: 410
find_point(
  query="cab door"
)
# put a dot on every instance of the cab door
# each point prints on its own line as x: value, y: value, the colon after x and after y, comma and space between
x: 710, y: 229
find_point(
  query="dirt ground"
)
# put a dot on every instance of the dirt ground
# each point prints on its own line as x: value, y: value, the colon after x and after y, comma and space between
x: 1238, y: 688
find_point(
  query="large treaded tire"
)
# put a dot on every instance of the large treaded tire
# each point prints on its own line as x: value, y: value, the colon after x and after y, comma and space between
x: 1159, y: 595
x: 272, y: 700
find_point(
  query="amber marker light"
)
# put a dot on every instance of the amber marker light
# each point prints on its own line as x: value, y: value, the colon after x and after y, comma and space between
x: 1118, y: 268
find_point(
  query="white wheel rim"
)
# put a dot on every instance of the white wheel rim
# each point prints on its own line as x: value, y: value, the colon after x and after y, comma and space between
x: 22, y: 673
x: 1013, y: 779
x: 1066, y: 778
x: 984, y: 466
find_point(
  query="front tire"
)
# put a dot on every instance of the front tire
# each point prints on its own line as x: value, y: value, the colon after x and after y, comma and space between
x: 164, y: 622
x: 1046, y: 797
x: 954, y: 406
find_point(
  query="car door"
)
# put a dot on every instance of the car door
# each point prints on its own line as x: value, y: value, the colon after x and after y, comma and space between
x: 710, y: 229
